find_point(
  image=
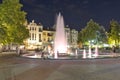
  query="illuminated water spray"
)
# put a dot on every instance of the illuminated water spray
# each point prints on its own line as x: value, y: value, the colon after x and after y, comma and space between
x: 60, y: 41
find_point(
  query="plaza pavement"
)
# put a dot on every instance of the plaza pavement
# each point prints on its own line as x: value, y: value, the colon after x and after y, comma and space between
x: 13, y: 67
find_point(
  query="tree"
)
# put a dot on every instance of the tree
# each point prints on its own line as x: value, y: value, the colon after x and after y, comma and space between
x: 101, y: 35
x: 13, y: 19
x: 114, y: 31
x: 89, y: 32
x: 93, y: 32
x: 2, y: 34
x: 80, y: 39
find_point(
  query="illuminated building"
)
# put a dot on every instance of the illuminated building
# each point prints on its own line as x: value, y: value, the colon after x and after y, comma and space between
x: 35, y: 39
x: 42, y: 38
x: 74, y: 38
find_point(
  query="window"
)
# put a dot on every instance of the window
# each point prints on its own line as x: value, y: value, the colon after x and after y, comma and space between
x: 30, y: 36
x: 44, y: 39
x: 32, y: 28
x: 50, y: 34
x: 40, y: 30
x: 48, y: 39
x: 40, y: 38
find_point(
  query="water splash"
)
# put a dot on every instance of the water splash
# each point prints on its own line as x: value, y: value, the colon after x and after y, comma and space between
x: 60, y: 41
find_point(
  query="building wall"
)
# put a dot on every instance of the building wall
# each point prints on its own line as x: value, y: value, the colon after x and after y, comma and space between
x: 35, y: 39
x: 74, y: 38
x: 40, y: 38
x: 48, y: 37
x: 67, y: 32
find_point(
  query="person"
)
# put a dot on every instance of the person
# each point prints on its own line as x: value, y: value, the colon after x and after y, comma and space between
x: 113, y: 49
x: 42, y: 55
x: 18, y: 50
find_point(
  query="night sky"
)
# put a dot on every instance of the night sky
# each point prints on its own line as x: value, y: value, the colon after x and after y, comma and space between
x: 76, y: 13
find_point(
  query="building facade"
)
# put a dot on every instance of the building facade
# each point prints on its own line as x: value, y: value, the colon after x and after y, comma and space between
x: 74, y: 38
x: 35, y: 32
x: 42, y: 38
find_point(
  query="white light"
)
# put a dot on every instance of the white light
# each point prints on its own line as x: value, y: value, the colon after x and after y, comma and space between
x: 92, y: 41
x: 105, y: 45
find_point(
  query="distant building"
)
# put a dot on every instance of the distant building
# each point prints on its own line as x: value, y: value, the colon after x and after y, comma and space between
x: 47, y: 39
x: 68, y: 35
x: 74, y: 38
x: 42, y: 38
x: 35, y: 39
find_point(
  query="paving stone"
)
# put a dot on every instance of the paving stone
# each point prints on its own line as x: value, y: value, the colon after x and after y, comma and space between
x: 18, y: 68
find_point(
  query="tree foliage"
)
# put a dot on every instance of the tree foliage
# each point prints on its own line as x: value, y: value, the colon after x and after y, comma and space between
x: 101, y: 35
x: 114, y: 32
x: 13, y: 19
x: 2, y: 33
x: 89, y: 32
x: 92, y: 31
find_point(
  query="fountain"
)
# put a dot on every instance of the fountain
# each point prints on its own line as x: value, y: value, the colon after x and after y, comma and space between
x: 60, y: 41
x: 60, y: 47
x: 89, y: 53
x: 96, y: 52
x: 84, y: 54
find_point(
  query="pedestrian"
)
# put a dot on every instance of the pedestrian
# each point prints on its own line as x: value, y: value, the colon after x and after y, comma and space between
x: 42, y: 55
x: 113, y: 49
